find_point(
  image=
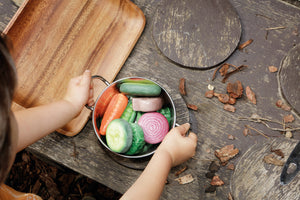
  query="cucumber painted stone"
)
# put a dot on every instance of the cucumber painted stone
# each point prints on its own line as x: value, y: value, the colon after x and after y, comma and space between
x: 138, y: 140
x: 119, y: 135
x: 140, y: 89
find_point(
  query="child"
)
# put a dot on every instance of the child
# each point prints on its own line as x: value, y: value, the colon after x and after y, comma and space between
x: 20, y: 129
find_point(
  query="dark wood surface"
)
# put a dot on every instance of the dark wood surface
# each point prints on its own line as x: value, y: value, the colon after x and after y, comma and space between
x: 84, y: 154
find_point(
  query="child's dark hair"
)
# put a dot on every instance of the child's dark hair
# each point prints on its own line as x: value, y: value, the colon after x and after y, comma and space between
x: 7, y: 86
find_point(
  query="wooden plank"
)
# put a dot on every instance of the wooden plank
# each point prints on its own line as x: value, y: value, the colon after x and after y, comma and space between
x: 214, y: 124
x: 198, y: 34
x: 55, y: 41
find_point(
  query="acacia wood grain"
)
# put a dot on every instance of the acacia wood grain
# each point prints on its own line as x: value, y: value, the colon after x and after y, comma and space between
x: 57, y: 40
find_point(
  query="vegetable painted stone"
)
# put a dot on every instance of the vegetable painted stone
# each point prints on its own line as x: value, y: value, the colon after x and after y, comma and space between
x: 119, y: 135
x: 155, y: 127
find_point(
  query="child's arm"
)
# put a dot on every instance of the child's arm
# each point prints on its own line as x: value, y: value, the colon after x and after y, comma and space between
x: 175, y: 149
x: 35, y: 123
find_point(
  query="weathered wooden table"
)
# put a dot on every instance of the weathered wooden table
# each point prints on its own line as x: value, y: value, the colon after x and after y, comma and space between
x: 274, y: 27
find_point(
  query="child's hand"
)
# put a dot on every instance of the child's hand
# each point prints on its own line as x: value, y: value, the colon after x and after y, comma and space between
x: 178, y: 146
x: 80, y: 91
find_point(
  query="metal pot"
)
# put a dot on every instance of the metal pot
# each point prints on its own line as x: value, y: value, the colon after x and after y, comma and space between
x: 96, y: 117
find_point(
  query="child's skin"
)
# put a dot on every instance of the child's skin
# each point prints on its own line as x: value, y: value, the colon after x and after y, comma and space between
x: 174, y: 150
x: 32, y: 124
x: 35, y: 123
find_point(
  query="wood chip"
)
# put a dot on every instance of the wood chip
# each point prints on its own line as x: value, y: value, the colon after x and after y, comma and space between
x: 230, y: 166
x: 229, y: 107
x: 246, y: 132
x: 278, y: 152
x: 243, y: 45
x: 286, y: 107
x: 250, y: 95
x: 216, y: 181
x: 235, y: 90
x: 231, y: 137
x: 282, y: 105
x: 271, y: 160
x: 288, y: 118
x: 223, y: 98
x: 185, y: 179
x: 232, y: 101
x: 209, y: 94
x: 279, y: 103
x: 273, y: 69
x: 239, y: 68
x: 226, y: 153
x: 224, y: 69
x: 192, y: 106
x: 180, y: 171
x: 182, y: 87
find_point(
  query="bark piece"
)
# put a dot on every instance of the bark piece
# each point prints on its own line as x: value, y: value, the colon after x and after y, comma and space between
x: 180, y: 171
x: 231, y: 137
x: 278, y: 152
x: 273, y: 69
x: 246, y: 132
x: 223, y: 98
x: 243, y: 45
x: 235, y: 90
x: 216, y: 181
x: 224, y: 69
x: 229, y: 107
x: 230, y: 166
x: 226, y: 153
x: 288, y: 118
x: 279, y: 103
x: 282, y: 105
x: 185, y: 179
x: 182, y: 87
x: 271, y: 160
x: 232, y: 101
x: 250, y: 95
x: 192, y: 106
x: 209, y: 94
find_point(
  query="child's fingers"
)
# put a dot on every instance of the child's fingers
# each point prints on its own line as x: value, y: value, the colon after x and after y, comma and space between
x: 183, y: 128
x: 193, y: 137
x: 86, y: 78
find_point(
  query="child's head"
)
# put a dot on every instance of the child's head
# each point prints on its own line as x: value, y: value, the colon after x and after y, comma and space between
x: 8, y: 127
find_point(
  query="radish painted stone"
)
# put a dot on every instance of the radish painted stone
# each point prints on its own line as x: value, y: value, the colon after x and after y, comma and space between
x: 155, y: 127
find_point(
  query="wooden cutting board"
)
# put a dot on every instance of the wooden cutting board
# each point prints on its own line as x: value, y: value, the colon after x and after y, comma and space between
x: 56, y: 40
x: 197, y: 33
x: 255, y: 179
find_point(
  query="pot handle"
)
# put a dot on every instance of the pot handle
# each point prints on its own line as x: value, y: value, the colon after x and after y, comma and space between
x: 104, y: 81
